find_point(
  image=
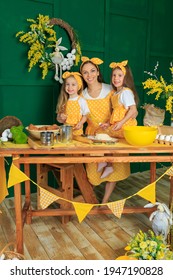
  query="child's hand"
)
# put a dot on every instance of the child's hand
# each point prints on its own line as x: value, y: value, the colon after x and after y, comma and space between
x: 61, y: 117
x: 78, y: 126
x: 104, y: 125
x: 117, y: 126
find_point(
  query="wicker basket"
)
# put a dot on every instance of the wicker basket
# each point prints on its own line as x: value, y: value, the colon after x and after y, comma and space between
x: 11, y: 254
x: 8, y: 122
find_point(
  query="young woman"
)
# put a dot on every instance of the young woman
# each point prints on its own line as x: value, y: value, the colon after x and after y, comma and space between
x: 98, y: 96
x: 72, y: 109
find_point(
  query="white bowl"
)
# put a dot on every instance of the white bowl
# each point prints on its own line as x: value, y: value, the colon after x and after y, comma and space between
x: 36, y: 133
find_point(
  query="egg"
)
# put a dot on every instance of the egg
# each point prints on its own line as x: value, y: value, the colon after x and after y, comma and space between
x: 167, y: 138
x: 171, y: 140
x: 157, y: 136
x: 4, y: 139
x: 162, y: 139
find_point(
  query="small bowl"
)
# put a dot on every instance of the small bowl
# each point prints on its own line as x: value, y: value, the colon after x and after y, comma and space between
x: 140, y: 135
x: 36, y: 133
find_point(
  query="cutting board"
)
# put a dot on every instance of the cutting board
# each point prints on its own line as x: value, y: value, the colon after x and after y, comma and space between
x: 36, y: 144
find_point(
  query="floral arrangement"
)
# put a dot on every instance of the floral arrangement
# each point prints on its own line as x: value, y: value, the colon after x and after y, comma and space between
x: 148, y: 246
x: 41, y: 39
x: 159, y: 87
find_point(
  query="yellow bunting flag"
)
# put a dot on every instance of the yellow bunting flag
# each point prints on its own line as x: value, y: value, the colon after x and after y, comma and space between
x: 3, y: 183
x: 82, y: 209
x: 16, y: 176
x: 169, y: 171
x: 149, y: 192
x: 46, y: 198
x: 117, y: 207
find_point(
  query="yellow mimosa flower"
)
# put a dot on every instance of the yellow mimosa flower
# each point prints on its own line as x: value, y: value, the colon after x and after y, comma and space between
x: 160, y: 88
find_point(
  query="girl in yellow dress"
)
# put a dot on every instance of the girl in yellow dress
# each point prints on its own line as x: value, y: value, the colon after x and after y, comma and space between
x: 72, y: 108
x: 98, y: 96
x: 124, y: 102
x: 124, y: 99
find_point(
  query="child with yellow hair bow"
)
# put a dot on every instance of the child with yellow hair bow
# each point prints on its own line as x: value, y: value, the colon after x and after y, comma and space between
x: 124, y: 102
x: 72, y: 109
x: 124, y: 99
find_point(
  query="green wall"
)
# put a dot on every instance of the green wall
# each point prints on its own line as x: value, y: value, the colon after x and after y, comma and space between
x: 114, y: 30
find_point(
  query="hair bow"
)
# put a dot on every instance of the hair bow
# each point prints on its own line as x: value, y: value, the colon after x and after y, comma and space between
x: 97, y: 61
x: 76, y: 75
x: 121, y: 65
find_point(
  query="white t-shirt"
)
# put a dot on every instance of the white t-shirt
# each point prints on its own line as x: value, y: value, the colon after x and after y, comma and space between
x: 103, y: 93
x: 127, y: 98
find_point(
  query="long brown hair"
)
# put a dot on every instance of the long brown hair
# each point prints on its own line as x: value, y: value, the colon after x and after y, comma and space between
x: 99, y: 77
x: 128, y: 82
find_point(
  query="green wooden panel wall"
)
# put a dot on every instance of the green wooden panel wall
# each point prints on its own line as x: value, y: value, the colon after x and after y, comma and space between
x: 114, y: 30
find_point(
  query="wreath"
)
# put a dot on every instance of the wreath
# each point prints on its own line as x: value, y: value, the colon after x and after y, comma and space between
x: 41, y: 39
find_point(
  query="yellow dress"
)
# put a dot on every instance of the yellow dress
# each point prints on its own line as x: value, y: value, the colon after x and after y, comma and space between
x: 73, y: 113
x: 99, y: 113
x: 118, y: 114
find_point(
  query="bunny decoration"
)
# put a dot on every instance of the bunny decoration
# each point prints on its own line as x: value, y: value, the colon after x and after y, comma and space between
x: 62, y: 63
x: 161, y: 219
x: 57, y: 57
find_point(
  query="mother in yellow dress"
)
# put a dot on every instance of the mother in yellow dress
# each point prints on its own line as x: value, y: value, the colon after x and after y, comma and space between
x: 98, y: 96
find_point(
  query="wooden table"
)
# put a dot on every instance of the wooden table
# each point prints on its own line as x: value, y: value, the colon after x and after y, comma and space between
x: 78, y: 153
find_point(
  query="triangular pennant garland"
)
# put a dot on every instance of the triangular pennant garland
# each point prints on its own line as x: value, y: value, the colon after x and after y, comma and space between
x: 3, y: 183
x: 46, y: 198
x: 82, y: 209
x: 16, y: 176
x: 117, y: 207
x: 149, y: 193
x: 170, y: 171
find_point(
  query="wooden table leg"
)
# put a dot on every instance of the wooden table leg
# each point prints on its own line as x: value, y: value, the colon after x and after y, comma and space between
x: 171, y: 193
x: 27, y: 205
x: 83, y: 183
x: 66, y: 177
x: 152, y: 172
x: 18, y: 213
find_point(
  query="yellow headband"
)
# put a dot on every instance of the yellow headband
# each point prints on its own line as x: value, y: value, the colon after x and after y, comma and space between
x: 121, y: 65
x: 97, y: 61
x: 76, y: 75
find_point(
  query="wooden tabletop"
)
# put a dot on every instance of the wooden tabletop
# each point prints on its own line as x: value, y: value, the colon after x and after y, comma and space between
x: 75, y: 147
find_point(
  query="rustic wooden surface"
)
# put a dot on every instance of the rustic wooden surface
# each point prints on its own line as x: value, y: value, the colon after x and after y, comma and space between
x: 97, y: 237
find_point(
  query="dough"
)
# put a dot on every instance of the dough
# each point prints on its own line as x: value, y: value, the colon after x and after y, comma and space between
x: 103, y: 136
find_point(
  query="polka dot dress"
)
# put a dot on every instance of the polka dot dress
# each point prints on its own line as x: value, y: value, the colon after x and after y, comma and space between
x: 119, y: 112
x: 73, y: 114
x: 100, y: 113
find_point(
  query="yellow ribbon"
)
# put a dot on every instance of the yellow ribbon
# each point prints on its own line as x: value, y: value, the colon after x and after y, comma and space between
x: 97, y: 61
x: 76, y: 75
x: 121, y: 65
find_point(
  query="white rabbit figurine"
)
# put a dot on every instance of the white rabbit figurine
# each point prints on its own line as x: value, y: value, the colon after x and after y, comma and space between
x: 57, y: 57
x: 161, y: 219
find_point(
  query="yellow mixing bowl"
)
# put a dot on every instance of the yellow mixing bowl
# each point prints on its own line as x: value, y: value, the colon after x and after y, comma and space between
x: 140, y: 135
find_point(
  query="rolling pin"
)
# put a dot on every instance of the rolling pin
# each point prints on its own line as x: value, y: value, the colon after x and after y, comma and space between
x: 82, y: 139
